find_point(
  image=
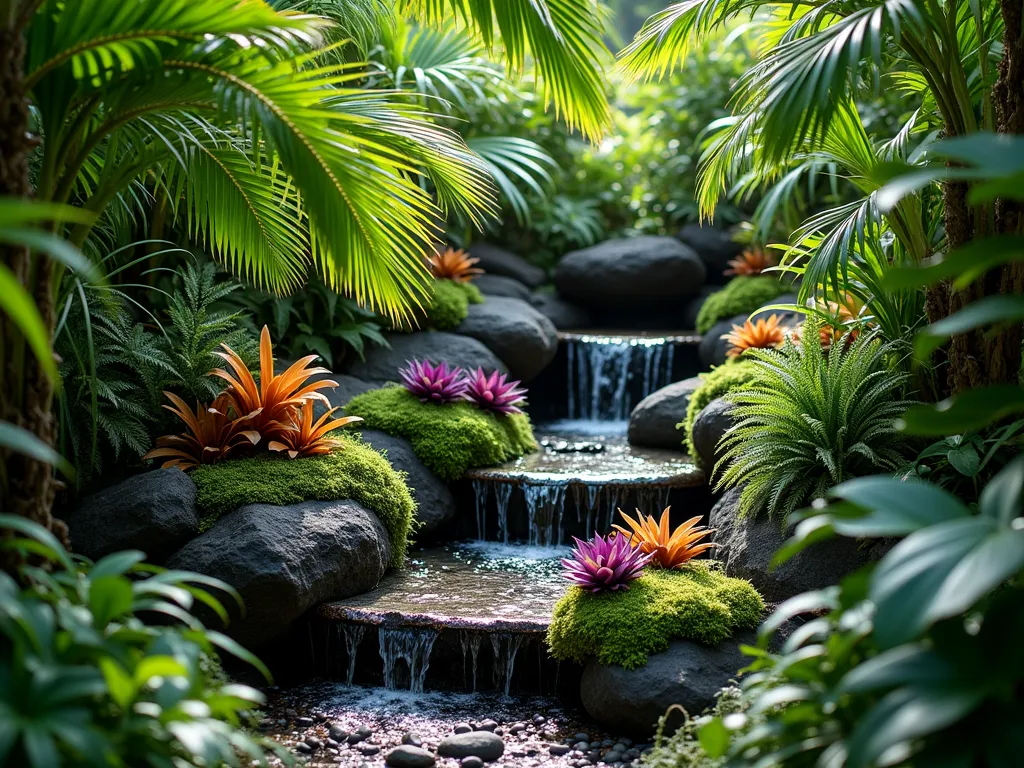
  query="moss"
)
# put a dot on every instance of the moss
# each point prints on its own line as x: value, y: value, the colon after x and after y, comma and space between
x: 697, y: 603
x: 356, y: 472
x: 741, y: 296
x: 719, y: 382
x: 448, y: 439
x: 450, y: 304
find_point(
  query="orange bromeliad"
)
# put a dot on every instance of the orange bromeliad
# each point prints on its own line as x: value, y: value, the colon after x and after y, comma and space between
x: 305, y: 438
x: 668, y: 549
x: 454, y: 265
x: 273, y: 402
x: 752, y: 261
x: 211, y: 436
x: 764, y: 334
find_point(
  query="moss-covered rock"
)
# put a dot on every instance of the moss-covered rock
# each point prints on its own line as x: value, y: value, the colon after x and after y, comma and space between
x: 450, y: 304
x: 356, y: 472
x: 449, y: 439
x: 719, y: 382
x: 740, y: 296
x: 697, y: 602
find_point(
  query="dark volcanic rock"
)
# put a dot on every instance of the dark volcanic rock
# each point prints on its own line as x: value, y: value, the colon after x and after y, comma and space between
x: 499, y: 285
x: 498, y: 261
x: 563, y: 315
x: 522, y: 337
x: 747, y: 545
x: 285, y: 560
x: 154, y: 512
x: 693, y: 306
x: 709, y: 428
x: 408, y: 756
x: 653, y: 421
x: 714, y: 246
x: 453, y: 348
x: 483, y: 744
x: 633, y: 270
x: 687, y: 674
x: 435, y: 503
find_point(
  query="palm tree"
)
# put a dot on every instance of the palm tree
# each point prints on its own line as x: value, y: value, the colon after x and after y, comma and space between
x: 795, y: 100
x: 264, y: 145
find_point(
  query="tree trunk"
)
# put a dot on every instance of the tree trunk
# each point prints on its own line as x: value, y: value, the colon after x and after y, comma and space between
x: 983, y: 358
x: 26, y: 394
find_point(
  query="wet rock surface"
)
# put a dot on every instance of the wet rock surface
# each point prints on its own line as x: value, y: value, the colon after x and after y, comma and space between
x: 653, y: 422
x: 524, y: 339
x: 382, y: 364
x: 499, y: 285
x: 498, y: 261
x: 406, y: 730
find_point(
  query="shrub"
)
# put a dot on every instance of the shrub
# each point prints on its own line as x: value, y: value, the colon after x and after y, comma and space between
x: 718, y: 383
x: 448, y: 439
x: 356, y: 472
x: 87, y: 681
x: 697, y: 602
x: 740, y: 296
x: 450, y: 304
x: 684, y: 749
x: 811, y: 420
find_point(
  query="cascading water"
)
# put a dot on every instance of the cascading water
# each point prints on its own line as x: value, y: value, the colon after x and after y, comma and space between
x: 505, y: 648
x: 544, y: 512
x: 413, y: 646
x: 471, y: 642
x: 354, y: 634
x: 602, y: 370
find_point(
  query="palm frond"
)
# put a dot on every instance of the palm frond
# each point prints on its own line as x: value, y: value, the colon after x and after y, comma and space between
x: 513, y: 163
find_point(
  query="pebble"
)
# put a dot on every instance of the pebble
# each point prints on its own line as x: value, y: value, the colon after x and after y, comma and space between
x: 409, y: 756
x: 612, y: 757
x: 368, y: 750
x: 558, y: 749
x: 412, y: 739
x: 313, y: 742
x: 581, y: 737
x: 304, y: 722
x: 364, y: 731
x: 581, y: 746
x: 463, y: 728
x: 303, y: 748
x: 337, y: 733
x: 539, y: 719
x: 472, y: 762
x: 487, y: 725
x: 355, y: 738
x: 482, y: 744
x: 517, y: 728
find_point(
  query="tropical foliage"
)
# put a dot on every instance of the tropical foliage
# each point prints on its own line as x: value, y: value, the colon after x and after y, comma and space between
x: 87, y: 681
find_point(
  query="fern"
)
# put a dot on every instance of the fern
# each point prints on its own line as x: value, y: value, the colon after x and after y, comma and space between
x: 813, y: 419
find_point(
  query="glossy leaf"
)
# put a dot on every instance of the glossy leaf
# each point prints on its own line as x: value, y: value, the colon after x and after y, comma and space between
x: 967, y: 411
x: 983, y: 312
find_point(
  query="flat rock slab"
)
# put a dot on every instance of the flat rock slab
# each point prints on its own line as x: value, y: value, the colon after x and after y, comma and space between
x: 488, y: 587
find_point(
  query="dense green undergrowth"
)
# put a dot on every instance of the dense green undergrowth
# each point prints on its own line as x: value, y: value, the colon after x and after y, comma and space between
x: 356, y: 472
x: 740, y: 296
x: 448, y: 439
x: 717, y: 383
x: 697, y: 602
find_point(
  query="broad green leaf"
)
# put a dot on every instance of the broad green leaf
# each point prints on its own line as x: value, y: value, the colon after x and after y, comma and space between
x: 970, y: 410
x: 158, y: 666
x: 1003, y: 498
x: 965, y: 460
x: 20, y: 440
x: 109, y: 598
x: 895, y: 507
x: 116, y: 564
x: 19, y: 306
x: 714, y: 738
x: 119, y: 683
x: 966, y: 263
x: 986, y: 311
x: 907, y: 714
x: 903, y: 665
x: 54, y: 550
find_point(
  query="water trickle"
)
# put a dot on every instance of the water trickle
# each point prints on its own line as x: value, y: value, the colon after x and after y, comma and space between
x: 413, y: 646
x: 354, y: 634
x: 471, y: 642
x: 601, y: 369
x: 544, y: 512
x: 503, y: 495
x: 505, y: 647
x: 480, y: 493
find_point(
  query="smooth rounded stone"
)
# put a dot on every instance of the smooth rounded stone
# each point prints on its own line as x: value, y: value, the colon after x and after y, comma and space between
x: 368, y: 750
x: 558, y: 750
x: 348, y: 387
x: 633, y: 270
x: 382, y: 364
x: 714, y: 349
x: 337, y: 733
x: 581, y: 746
x: 482, y: 744
x: 517, y: 728
x: 356, y: 738
x: 409, y: 756
x: 472, y: 762
x: 283, y: 560
x: 463, y: 728
x: 412, y: 739
x: 562, y: 314
x: 709, y: 428
x: 499, y: 285
x: 653, y: 421
x: 314, y: 742
x: 687, y: 674
x: 581, y: 737
x: 524, y: 339
x: 154, y: 512
x: 435, y: 504
x: 487, y: 725
x: 365, y: 731
x: 304, y: 722
x: 747, y: 544
x: 611, y: 758
x: 715, y: 247
x: 499, y: 261
x: 303, y: 748
x: 539, y: 719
